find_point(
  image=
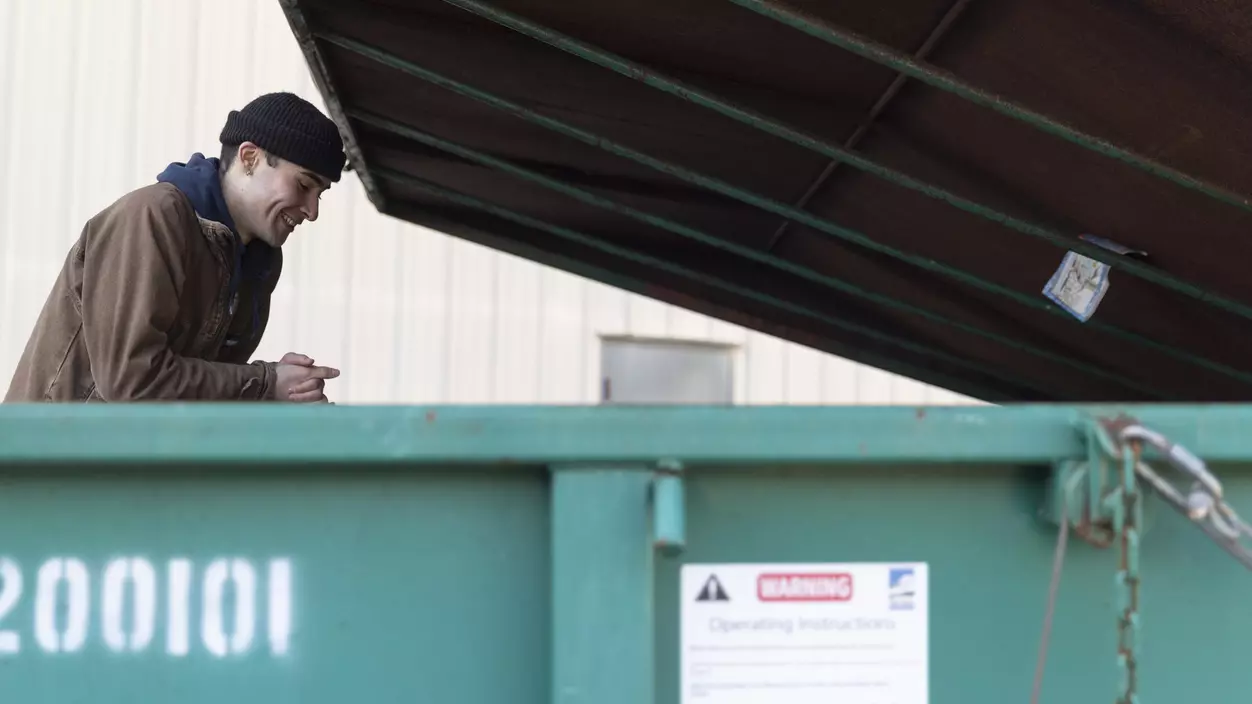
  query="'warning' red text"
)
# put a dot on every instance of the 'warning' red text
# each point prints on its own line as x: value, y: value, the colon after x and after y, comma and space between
x: 804, y: 587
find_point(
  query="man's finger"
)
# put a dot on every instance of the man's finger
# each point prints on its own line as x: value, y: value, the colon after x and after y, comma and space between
x: 297, y: 359
x: 322, y: 373
x: 308, y: 385
x: 308, y: 397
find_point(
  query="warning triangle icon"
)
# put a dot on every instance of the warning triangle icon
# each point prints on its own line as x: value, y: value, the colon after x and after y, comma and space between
x: 713, y: 591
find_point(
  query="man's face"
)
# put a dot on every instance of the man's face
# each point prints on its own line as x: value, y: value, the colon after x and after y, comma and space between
x: 277, y: 198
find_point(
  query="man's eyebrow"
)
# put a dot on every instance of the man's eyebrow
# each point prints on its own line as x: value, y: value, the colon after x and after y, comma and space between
x: 320, y: 180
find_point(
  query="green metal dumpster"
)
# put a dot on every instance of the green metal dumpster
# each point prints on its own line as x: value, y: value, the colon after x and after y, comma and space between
x: 623, y: 555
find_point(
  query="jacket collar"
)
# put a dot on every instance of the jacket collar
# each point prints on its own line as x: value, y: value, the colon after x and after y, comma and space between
x: 199, y: 181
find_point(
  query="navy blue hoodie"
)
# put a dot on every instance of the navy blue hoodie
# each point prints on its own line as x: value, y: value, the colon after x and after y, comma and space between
x: 199, y: 181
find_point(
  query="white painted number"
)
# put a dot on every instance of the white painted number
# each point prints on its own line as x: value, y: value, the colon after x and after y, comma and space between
x: 140, y: 575
x: 180, y: 604
x: 129, y: 597
x: 280, y: 606
x: 244, y: 580
x: 70, y: 635
x: 10, y: 592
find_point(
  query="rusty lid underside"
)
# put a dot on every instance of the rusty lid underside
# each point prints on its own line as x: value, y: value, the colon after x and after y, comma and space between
x: 894, y: 182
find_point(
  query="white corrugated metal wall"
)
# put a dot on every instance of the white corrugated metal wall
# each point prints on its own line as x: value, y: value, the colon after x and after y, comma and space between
x: 99, y: 96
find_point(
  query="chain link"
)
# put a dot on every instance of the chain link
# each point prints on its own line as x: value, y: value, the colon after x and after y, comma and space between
x: 1127, y: 521
x: 1203, y: 503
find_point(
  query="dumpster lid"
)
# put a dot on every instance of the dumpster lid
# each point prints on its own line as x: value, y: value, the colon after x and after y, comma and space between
x: 896, y: 183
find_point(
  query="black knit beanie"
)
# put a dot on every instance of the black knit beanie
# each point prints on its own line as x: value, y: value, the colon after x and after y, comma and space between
x: 290, y: 127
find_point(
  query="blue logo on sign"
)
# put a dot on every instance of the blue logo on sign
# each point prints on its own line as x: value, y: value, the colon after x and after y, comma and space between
x: 901, y: 588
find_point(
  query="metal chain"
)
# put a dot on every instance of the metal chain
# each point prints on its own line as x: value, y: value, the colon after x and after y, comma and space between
x: 1127, y: 520
x: 1203, y: 504
x: 1123, y: 439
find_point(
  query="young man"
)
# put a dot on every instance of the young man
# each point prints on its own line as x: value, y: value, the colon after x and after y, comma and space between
x: 166, y: 293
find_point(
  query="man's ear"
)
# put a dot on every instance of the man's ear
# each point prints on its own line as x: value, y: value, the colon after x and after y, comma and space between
x: 249, y: 156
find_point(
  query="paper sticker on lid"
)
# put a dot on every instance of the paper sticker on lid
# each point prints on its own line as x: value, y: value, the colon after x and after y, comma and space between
x: 1078, y: 285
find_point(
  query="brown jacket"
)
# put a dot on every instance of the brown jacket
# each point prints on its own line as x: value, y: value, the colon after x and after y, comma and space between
x: 141, y: 312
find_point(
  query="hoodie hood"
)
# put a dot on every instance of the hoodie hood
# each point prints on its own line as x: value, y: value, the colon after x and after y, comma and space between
x: 198, y: 180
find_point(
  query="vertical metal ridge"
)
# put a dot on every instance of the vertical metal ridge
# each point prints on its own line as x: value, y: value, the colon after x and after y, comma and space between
x: 193, y: 70
x: 584, y: 312
x: 7, y: 132
x: 130, y: 160
x: 399, y: 323
x: 349, y: 284
x: 70, y: 190
x: 449, y: 290
x: 493, y: 344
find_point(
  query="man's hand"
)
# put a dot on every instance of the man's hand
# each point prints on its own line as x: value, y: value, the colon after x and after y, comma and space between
x: 300, y: 381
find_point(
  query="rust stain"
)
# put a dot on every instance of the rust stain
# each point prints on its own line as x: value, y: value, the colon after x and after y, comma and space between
x: 430, y: 416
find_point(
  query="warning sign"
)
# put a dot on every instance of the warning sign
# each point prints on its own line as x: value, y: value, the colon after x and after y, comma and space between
x: 855, y: 633
x: 804, y: 587
x: 712, y: 591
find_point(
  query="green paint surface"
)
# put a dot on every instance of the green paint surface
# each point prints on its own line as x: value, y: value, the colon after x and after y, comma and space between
x: 990, y: 563
x: 525, y: 572
x: 429, y: 587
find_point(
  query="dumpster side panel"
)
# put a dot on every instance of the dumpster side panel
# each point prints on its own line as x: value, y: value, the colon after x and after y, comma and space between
x: 362, y: 585
x: 990, y: 563
x: 478, y: 556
